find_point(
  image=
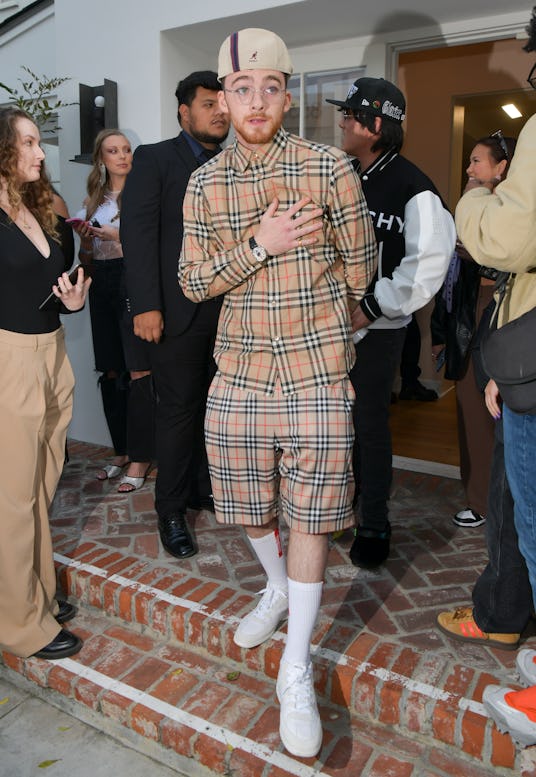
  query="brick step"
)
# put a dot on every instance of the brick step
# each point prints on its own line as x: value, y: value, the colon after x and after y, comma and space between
x: 159, y: 658
x: 222, y: 713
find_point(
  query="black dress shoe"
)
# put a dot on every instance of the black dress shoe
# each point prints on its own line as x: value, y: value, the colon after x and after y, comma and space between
x: 66, y: 612
x: 63, y: 645
x: 175, y: 535
x: 370, y: 547
x: 418, y: 392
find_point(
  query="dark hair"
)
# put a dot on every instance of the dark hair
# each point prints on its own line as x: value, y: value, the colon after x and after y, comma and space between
x: 391, y: 132
x: 187, y: 88
x: 531, y: 31
x: 493, y: 143
x: 35, y: 195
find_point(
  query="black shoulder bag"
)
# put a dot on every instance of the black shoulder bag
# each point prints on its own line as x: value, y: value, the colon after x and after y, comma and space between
x: 509, y: 355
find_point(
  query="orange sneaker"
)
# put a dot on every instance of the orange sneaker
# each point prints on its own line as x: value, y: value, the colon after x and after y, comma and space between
x: 461, y: 625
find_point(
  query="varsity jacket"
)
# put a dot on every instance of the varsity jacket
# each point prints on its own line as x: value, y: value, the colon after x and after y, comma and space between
x: 499, y: 229
x: 415, y: 234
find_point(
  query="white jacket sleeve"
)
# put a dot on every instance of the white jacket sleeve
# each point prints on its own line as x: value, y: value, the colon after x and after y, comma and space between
x: 430, y: 236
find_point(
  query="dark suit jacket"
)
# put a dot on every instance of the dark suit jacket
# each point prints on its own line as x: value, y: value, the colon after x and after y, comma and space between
x: 151, y: 230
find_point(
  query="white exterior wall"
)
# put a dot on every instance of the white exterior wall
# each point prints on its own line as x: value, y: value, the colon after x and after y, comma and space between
x: 145, y: 48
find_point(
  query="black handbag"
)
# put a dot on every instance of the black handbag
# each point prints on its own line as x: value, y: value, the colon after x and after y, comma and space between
x: 509, y: 356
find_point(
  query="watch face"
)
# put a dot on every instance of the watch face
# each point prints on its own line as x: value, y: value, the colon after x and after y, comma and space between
x: 259, y: 253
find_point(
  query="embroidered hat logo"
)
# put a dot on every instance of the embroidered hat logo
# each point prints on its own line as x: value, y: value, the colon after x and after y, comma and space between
x: 393, y: 111
x: 376, y: 96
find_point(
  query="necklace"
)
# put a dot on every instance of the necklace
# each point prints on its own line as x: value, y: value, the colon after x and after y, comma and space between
x: 25, y: 224
x: 20, y: 217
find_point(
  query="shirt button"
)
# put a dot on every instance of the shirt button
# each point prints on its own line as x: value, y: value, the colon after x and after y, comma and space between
x: 276, y: 339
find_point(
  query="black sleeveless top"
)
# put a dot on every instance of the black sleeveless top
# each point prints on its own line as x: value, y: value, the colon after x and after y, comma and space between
x: 26, y: 279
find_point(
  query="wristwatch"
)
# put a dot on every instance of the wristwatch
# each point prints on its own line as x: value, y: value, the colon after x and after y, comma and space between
x: 260, y: 253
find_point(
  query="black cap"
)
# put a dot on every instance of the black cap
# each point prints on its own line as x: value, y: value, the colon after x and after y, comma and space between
x: 376, y: 96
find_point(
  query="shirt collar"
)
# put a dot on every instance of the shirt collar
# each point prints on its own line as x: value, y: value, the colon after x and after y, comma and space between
x: 378, y: 165
x: 265, y: 155
x: 197, y: 149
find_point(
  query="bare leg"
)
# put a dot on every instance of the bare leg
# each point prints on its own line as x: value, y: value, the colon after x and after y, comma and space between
x: 307, y: 557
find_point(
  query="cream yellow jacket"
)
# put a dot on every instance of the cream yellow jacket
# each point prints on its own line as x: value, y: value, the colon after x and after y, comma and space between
x: 499, y: 229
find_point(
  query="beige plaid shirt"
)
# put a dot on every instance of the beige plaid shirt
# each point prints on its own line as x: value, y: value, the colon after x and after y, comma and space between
x: 285, y: 319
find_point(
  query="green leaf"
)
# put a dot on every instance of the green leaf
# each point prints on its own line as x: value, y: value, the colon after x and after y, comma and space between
x: 46, y: 764
x: 232, y: 676
x: 37, y: 95
x: 4, y: 700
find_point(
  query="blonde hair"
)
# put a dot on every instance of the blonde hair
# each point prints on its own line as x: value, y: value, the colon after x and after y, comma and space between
x: 97, y: 190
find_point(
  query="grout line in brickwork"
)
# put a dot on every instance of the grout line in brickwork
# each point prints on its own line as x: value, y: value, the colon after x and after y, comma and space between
x: 385, y: 675
x: 156, y: 593
x: 218, y: 733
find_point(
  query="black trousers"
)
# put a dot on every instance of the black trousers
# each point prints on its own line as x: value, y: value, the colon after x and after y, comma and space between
x: 128, y: 407
x: 411, y: 353
x: 105, y: 310
x: 377, y: 360
x: 502, y: 596
x: 183, y: 367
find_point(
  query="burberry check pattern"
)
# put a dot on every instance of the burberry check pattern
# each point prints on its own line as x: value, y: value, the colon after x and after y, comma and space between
x: 285, y: 320
x: 281, y: 454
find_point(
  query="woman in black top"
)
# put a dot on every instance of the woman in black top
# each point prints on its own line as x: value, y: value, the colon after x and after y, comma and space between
x: 35, y: 393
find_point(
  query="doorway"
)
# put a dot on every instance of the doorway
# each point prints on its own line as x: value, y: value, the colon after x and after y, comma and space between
x: 454, y: 96
x: 476, y: 116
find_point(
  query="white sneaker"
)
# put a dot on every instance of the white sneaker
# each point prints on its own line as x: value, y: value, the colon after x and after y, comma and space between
x: 507, y: 718
x: 468, y: 518
x: 259, y: 625
x: 300, y: 728
x: 526, y: 667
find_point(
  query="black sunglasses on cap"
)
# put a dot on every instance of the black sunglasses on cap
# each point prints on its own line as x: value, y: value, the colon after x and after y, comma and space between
x: 499, y: 137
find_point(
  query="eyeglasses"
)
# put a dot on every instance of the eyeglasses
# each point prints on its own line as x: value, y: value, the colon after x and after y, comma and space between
x: 271, y: 94
x: 347, y: 115
x: 532, y: 77
x: 499, y: 137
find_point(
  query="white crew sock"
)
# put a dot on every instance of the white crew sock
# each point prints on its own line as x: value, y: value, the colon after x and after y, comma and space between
x: 303, y: 604
x: 269, y: 551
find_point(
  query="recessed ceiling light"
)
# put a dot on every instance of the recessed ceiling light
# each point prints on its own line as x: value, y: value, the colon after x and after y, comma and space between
x: 512, y: 111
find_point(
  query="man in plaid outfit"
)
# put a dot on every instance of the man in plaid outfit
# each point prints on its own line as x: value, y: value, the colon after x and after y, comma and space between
x: 279, y: 226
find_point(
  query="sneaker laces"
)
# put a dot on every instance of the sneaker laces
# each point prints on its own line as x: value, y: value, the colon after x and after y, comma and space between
x: 462, y: 613
x: 299, y: 686
x: 267, y: 599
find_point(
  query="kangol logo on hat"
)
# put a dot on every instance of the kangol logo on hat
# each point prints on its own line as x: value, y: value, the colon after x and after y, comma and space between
x: 253, y: 49
x: 376, y: 96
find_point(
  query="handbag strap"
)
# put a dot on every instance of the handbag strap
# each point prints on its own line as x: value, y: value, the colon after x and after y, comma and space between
x: 500, y: 287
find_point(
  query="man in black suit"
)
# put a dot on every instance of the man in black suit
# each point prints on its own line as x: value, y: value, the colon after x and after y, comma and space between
x: 181, y: 333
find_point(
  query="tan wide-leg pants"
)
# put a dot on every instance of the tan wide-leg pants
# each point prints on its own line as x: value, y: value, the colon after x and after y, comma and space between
x: 36, y: 396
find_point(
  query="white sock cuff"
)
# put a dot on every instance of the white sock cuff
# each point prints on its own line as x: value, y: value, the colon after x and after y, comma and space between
x: 305, y: 587
x: 266, y: 541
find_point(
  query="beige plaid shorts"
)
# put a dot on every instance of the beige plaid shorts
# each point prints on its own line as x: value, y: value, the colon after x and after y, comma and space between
x: 289, y: 456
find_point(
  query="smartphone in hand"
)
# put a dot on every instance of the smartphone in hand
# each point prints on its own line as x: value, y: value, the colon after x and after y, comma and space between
x: 75, y: 222
x: 73, y: 277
